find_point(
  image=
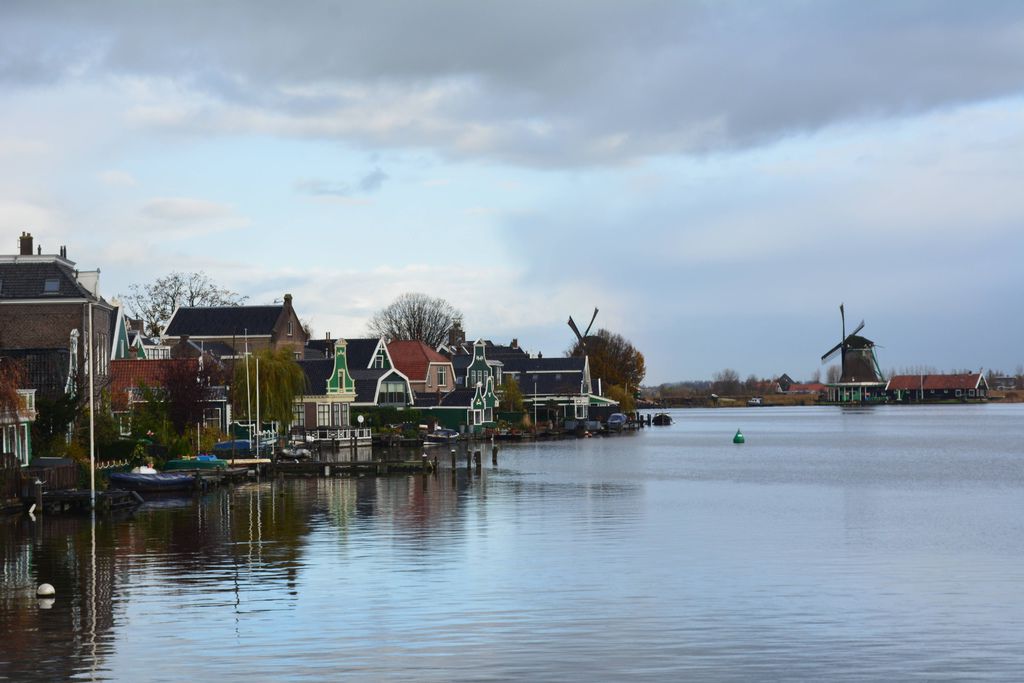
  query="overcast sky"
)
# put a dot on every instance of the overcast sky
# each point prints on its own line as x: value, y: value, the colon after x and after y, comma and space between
x: 716, y: 177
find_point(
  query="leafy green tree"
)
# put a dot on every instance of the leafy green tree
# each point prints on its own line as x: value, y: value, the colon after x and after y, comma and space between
x: 627, y: 403
x: 511, y: 396
x: 613, y: 359
x: 280, y: 379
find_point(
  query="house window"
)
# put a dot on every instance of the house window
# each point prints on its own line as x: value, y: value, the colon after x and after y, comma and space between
x: 211, y: 418
x: 299, y: 414
x: 124, y: 424
x: 488, y: 414
x: 298, y: 356
x: 581, y: 411
x: 391, y: 393
x: 971, y: 392
x: 51, y: 285
x: 336, y: 415
x: 477, y: 417
x: 323, y: 414
x: 378, y: 360
x: 497, y: 375
x: 958, y: 392
x: 440, y: 376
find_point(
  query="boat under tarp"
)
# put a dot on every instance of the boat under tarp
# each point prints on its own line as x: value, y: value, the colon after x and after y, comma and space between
x: 200, y: 462
x: 662, y: 420
x: 152, y: 483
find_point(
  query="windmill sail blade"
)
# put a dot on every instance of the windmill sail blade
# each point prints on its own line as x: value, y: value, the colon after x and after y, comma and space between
x: 575, y: 329
x: 831, y: 352
x: 592, y: 319
x: 859, y: 328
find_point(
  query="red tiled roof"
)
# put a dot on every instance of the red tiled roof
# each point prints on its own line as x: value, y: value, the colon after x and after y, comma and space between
x: 934, y: 382
x: 127, y: 374
x: 413, y: 358
x: 813, y: 387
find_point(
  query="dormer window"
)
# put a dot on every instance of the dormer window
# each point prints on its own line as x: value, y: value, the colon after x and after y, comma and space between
x: 51, y: 285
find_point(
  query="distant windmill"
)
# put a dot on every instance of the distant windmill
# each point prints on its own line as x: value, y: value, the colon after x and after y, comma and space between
x: 857, y: 356
x: 576, y: 330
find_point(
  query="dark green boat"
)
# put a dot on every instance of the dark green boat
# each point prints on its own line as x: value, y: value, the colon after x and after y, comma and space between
x: 201, y: 462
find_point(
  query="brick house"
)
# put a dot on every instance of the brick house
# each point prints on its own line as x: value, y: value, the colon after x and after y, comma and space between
x: 233, y: 329
x: 428, y: 371
x: 45, y: 306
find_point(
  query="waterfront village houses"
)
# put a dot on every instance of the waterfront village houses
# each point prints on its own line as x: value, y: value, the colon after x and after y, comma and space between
x: 344, y: 375
x: 230, y: 331
x: 47, y: 308
x: 129, y: 375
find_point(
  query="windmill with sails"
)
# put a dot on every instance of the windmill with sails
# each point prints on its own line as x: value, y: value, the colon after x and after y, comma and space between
x: 860, y: 378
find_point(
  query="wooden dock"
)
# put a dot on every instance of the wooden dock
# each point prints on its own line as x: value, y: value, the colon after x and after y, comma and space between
x: 351, y: 468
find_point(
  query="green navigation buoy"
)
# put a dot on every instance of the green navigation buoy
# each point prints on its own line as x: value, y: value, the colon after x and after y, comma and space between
x: 739, y: 437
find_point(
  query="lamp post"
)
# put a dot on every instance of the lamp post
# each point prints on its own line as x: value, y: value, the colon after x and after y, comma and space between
x: 92, y: 422
x: 535, y: 403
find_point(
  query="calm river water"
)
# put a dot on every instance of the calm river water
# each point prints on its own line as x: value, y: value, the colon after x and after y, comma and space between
x: 875, y: 544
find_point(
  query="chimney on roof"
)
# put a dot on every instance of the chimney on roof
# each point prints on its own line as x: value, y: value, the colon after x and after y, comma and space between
x: 25, y: 244
x: 328, y: 336
x: 63, y: 251
x: 287, y: 300
x: 540, y: 355
x: 514, y: 344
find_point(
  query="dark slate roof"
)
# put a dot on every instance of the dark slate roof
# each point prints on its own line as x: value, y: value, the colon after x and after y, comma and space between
x: 359, y: 352
x: 554, y: 364
x: 460, y: 398
x: 26, y: 280
x: 366, y: 383
x: 223, y: 321
x: 216, y: 349
x: 319, y: 348
x: 562, y: 385
x: 317, y: 373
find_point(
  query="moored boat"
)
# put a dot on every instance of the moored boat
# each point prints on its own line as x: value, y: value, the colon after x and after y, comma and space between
x: 440, y: 436
x: 661, y: 420
x: 200, y: 462
x: 152, y: 483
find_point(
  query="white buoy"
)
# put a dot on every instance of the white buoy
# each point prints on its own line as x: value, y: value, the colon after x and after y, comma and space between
x: 45, y: 590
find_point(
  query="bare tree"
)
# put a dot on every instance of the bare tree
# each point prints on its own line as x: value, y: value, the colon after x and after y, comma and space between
x: 154, y: 303
x: 816, y: 376
x: 833, y: 374
x: 415, y: 316
x: 726, y: 382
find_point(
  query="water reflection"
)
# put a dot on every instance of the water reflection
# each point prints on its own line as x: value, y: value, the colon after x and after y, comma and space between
x: 831, y: 545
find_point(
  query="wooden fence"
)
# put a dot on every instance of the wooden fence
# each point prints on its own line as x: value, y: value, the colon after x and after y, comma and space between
x: 10, y: 476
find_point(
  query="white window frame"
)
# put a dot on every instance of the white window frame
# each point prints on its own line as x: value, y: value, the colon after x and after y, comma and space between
x: 441, y: 378
x: 323, y: 414
x: 299, y: 414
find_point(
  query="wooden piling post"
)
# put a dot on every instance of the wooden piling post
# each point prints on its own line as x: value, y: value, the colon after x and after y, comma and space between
x: 494, y: 455
x: 453, y: 460
x: 476, y: 460
x: 469, y: 459
x: 39, y: 496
